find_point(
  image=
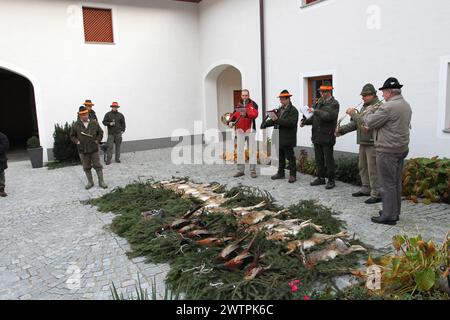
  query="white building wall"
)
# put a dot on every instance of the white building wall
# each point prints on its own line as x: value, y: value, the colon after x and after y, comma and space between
x: 149, y: 70
x: 229, y: 34
x: 334, y: 36
x: 160, y: 67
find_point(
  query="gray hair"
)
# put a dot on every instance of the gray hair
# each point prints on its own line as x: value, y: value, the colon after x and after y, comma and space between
x: 396, y: 92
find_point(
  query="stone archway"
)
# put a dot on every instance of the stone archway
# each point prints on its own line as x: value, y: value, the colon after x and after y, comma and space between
x: 18, y: 118
x: 220, y: 84
x: 44, y: 137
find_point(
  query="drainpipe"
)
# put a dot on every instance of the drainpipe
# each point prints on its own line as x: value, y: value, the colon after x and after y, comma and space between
x: 263, y: 56
x: 263, y: 65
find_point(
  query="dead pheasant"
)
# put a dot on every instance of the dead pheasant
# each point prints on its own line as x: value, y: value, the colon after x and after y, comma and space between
x: 213, y: 242
x: 241, y: 259
x: 177, y: 224
x: 188, y: 228
x: 317, y: 238
x: 190, y: 213
x: 254, y: 269
x: 228, y: 250
x: 199, y: 233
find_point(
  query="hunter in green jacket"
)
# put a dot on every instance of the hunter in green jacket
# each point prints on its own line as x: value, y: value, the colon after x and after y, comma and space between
x: 367, y: 155
x: 285, y: 120
x: 87, y: 135
x: 324, y: 121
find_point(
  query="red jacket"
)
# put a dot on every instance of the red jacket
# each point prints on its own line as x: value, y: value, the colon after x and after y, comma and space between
x: 245, y: 123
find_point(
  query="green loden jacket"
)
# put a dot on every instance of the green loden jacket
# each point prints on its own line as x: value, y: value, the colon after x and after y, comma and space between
x: 119, y: 120
x: 287, y: 125
x: 89, y: 137
x: 362, y: 137
x: 324, y: 122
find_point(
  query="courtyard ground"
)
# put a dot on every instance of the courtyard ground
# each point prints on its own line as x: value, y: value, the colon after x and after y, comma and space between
x: 53, y: 246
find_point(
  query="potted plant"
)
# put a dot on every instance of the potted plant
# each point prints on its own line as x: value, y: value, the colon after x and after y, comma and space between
x: 35, y: 151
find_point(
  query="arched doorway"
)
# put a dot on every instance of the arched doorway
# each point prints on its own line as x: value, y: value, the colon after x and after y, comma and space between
x: 222, y: 88
x: 18, y: 118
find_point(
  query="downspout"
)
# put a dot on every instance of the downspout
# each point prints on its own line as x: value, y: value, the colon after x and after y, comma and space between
x: 263, y: 67
x: 263, y: 56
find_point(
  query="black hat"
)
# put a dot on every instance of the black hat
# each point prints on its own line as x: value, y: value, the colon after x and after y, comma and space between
x: 391, y: 83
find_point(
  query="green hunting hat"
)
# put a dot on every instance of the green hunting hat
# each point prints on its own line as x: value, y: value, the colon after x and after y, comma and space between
x: 368, y: 89
x: 326, y: 86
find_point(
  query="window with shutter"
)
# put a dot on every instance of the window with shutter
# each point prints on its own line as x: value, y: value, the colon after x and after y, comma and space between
x: 98, y: 26
x: 306, y: 3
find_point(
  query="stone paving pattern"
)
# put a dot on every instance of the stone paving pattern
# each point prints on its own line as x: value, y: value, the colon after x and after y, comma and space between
x: 52, y: 246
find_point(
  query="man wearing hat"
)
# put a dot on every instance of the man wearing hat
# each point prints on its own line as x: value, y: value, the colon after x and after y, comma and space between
x: 88, y: 104
x: 115, y: 122
x: 285, y: 119
x: 391, y: 123
x: 367, y: 156
x: 324, y: 121
x: 4, y: 147
x: 87, y: 134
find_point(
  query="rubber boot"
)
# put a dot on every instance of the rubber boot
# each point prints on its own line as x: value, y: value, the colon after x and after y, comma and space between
x: 101, y: 182
x: 2, y: 192
x: 90, y: 183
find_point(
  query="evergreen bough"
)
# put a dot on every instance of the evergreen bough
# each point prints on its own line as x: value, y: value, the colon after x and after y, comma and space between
x: 64, y: 150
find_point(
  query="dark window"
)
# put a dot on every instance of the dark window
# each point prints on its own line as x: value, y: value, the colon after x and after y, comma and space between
x: 314, y: 84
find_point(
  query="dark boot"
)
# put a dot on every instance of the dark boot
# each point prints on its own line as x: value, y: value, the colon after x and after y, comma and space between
x: 360, y: 194
x: 373, y: 200
x: 292, y: 179
x: 278, y: 176
x: 318, y: 182
x: 101, y: 182
x: 3, y: 193
x: 90, y: 183
x: 380, y: 220
x: 381, y: 213
x: 331, y: 184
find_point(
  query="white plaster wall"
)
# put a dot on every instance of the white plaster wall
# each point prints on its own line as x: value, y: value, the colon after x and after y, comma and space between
x: 333, y: 35
x: 153, y: 70
x: 229, y: 35
x: 160, y: 69
x: 228, y: 81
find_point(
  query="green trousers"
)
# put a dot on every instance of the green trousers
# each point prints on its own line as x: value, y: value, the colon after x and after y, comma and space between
x: 368, y: 170
x: 90, y: 160
x: 2, y: 179
x: 114, y: 140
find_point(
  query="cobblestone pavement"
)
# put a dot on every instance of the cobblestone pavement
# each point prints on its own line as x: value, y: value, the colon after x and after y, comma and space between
x: 54, y: 247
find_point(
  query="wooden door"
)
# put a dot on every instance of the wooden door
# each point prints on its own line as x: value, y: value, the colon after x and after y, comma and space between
x: 236, y: 97
x: 313, y: 85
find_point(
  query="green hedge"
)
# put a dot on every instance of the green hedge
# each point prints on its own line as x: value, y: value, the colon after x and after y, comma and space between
x: 423, y: 178
x: 64, y: 150
x: 346, y: 168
